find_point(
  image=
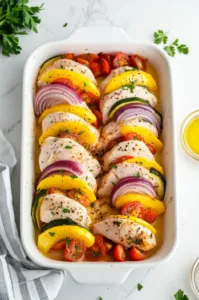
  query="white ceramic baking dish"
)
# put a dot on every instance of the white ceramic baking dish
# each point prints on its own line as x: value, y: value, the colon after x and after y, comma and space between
x: 97, y: 39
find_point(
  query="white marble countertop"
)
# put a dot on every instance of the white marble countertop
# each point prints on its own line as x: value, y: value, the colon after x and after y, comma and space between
x: 140, y: 19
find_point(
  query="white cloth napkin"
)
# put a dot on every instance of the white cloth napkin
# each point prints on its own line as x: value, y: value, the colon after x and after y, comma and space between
x: 20, y: 278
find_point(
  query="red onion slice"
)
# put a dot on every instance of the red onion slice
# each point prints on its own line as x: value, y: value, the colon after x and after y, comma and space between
x: 138, y: 110
x: 55, y: 94
x: 130, y: 185
x: 69, y: 166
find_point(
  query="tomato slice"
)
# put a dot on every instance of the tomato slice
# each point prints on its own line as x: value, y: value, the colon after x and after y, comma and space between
x: 139, y: 62
x: 53, y: 190
x: 64, y: 81
x: 150, y: 215
x: 71, y: 136
x: 79, y: 196
x: 121, y: 159
x: 74, y: 250
x: 69, y: 56
x: 98, y: 251
x: 133, y: 136
x: 133, y: 209
x: 106, y: 69
x: 82, y: 61
x: 107, y: 57
x: 59, y: 246
x: 136, y: 254
x: 96, y: 68
x: 119, y: 253
x: 121, y: 60
x: 90, y: 57
x: 151, y: 148
x: 98, y: 114
x: 89, y: 98
x: 114, y: 142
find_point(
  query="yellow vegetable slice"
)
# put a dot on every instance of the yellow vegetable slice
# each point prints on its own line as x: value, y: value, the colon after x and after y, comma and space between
x: 149, y: 137
x: 138, y: 221
x: 148, y: 202
x: 67, y: 183
x: 82, y: 130
x: 50, y: 237
x: 136, y: 76
x: 147, y: 164
x: 76, y: 78
x: 79, y: 111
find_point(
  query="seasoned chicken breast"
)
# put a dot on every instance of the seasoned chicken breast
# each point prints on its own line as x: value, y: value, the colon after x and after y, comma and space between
x: 123, y: 170
x: 107, y: 102
x: 134, y: 148
x: 54, y: 149
x: 126, y: 232
x: 57, y: 206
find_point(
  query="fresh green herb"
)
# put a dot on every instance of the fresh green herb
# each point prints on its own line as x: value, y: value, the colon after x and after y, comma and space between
x: 129, y: 86
x: 170, y: 50
x: 85, y: 84
x: 138, y: 175
x: 80, y: 191
x: 114, y: 167
x: 135, y: 138
x: 67, y: 241
x: 51, y: 233
x: 138, y: 241
x: 77, y: 248
x: 117, y: 223
x: 74, y: 176
x: 183, y: 49
x: 139, y: 287
x: 175, y: 43
x: 66, y: 24
x: 61, y: 171
x: 160, y: 37
x: 113, y: 183
x: 100, y: 298
x: 92, y: 204
x: 86, y: 177
x: 52, y: 213
x: 66, y: 210
x: 68, y: 147
x: 81, y: 132
x: 15, y: 18
x: 67, y: 131
x: 180, y: 295
x: 62, y: 67
x: 89, y: 54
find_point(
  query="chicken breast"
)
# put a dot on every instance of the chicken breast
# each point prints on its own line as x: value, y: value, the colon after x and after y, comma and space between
x: 123, y: 170
x: 126, y: 232
x: 111, y: 131
x: 61, y: 116
x: 57, y: 206
x: 133, y: 148
x: 54, y: 149
x: 113, y: 73
x: 107, y: 102
x: 71, y: 65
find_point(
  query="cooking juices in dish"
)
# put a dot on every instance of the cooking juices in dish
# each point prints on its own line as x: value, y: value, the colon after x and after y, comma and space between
x: 100, y: 189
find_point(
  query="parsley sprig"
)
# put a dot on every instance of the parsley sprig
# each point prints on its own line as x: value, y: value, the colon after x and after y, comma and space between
x: 161, y: 37
x: 180, y: 295
x: 15, y: 18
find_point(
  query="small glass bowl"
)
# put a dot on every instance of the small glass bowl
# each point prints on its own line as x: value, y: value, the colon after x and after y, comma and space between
x: 185, y: 145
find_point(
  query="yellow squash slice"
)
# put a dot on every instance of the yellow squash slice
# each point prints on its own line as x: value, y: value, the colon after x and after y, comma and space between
x: 84, y: 113
x: 67, y: 183
x: 82, y: 130
x: 50, y: 237
x: 149, y: 137
x: 136, y: 76
x: 148, y: 202
x: 145, y: 163
x: 138, y: 221
x: 76, y: 78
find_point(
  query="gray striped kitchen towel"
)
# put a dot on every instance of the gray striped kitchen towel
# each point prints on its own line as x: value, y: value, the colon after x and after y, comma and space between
x: 20, y: 279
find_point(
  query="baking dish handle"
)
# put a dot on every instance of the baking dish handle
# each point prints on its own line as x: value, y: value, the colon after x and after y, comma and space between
x: 102, y: 34
x: 111, y: 274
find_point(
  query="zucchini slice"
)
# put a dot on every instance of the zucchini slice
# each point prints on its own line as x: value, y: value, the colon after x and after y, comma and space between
x: 160, y: 182
x: 59, y: 222
x: 36, y: 208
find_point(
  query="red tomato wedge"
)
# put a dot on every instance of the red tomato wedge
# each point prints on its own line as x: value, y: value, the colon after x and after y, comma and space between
x: 121, y: 159
x: 119, y: 253
x: 98, y: 114
x: 74, y: 250
x: 133, y: 209
x: 82, y: 61
x: 150, y: 215
x: 121, y: 60
x: 136, y: 254
x: 108, y: 57
x: 133, y: 136
x: 53, y: 190
x: 90, y: 57
x: 96, y: 68
x: 89, y: 98
x: 114, y: 142
x: 69, y: 56
x: 79, y: 197
x: 106, y: 69
x: 59, y: 246
x: 64, y: 80
x: 139, y: 62
x: 151, y: 148
x: 98, y: 251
